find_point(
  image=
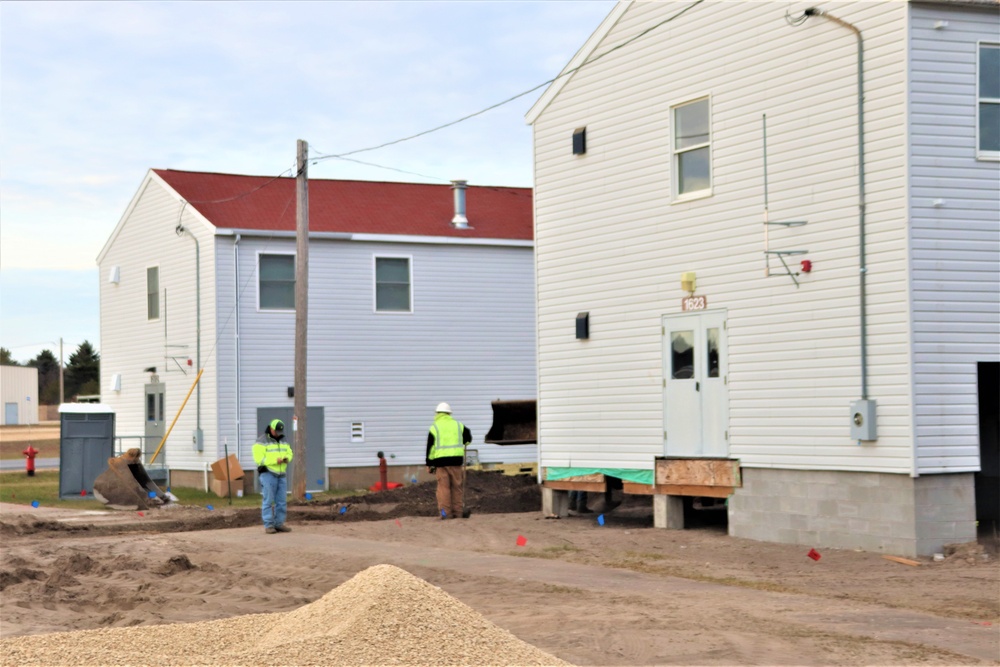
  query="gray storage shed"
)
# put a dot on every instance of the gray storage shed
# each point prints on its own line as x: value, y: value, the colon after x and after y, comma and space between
x: 86, y: 442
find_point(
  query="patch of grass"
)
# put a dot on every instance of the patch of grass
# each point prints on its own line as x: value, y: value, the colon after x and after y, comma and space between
x: 560, y: 548
x: 565, y: 590
x: 20, y: 489
x: 645, y: 555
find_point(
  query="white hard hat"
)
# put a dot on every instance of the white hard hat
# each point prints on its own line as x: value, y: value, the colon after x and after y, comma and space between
x: 443, y: 407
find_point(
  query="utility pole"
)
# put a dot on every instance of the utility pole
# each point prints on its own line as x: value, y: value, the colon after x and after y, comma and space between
x: 301, y: 317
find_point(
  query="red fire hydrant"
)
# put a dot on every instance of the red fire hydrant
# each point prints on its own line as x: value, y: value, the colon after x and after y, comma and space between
x: 383, y: 472
x: 30, y: 453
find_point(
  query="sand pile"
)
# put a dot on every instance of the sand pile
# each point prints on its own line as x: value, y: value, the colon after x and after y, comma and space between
x: 382, y: 616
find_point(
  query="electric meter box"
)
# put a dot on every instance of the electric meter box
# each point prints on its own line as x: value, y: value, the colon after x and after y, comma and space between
x: 863, y: 420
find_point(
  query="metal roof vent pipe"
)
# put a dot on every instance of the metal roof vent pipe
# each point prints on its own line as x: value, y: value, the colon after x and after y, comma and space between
x: 459, y: 221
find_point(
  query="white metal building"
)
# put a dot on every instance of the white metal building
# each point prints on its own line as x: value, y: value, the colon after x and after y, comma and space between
x: 749, y: 294
x: 19, y: 395
x: 406, y: 309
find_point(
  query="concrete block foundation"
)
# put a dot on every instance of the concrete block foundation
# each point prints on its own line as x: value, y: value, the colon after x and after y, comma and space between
x: 880, y: 512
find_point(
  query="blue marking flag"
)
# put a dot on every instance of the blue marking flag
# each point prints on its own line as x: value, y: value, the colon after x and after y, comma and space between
x: 343, y: 510
x: 444, y: 513
x: 152, y: 494
x: 600, y: 519
x: 210, y: 508
x: 34, y: 503
x: 309, y: 496
x: 319, y: 481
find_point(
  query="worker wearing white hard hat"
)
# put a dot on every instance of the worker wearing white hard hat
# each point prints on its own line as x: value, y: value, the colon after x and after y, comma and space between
x: 446, y: 442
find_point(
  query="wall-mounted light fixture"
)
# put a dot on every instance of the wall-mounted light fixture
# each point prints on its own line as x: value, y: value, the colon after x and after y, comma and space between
x: 116, y: 382
x: 115, y: 275
x: 688, y: 282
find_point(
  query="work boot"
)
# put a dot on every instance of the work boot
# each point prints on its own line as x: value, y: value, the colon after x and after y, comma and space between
x: 583, y: 510
x: 283, y: 529
x: 466, y: 514
x: 270, y: 530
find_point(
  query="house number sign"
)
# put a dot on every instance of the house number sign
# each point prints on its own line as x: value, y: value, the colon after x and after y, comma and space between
x: 694, y: 303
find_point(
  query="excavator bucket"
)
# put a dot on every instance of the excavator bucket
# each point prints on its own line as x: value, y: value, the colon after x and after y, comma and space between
x: 514, y: 423
x: 126, y: 485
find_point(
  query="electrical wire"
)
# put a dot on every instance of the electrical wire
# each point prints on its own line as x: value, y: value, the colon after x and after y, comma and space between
x: 568, y: 72
x: 382, y: 166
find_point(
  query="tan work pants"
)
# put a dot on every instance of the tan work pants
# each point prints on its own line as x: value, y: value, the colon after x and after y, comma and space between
x: 450, y: 490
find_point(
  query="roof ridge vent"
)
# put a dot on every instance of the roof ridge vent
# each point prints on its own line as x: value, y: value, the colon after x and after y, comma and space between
x: 460, y: 221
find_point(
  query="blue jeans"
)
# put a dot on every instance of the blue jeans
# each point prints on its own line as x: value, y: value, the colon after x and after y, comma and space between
x: 275, y: 505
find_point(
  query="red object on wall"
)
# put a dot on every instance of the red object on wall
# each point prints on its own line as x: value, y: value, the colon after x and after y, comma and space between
x: 807, y: 266
x: 814, y: 554
x: 29, y: 465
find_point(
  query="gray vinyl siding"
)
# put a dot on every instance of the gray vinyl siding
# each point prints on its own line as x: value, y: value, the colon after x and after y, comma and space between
x: 609, y: 239
x: 955, y: 245
x: 469, y: 340
x: 130, y: 342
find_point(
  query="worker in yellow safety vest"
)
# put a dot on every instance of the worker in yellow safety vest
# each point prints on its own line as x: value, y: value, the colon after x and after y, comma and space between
x: 272, y: 454
x: 446, y: 444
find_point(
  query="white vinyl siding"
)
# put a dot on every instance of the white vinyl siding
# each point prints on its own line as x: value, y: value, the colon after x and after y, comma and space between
x: 130, y: 343
x: 609, y: 239
x: 954, y: 236
x: 470, y: 343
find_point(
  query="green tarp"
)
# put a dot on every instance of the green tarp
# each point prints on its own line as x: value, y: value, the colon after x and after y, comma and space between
x: 626, y: 474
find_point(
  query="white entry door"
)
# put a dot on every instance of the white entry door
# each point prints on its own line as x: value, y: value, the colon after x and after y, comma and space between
x: 695, y: 388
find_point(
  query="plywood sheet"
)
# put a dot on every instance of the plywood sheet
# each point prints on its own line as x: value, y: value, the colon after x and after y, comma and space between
x: 698, y: 472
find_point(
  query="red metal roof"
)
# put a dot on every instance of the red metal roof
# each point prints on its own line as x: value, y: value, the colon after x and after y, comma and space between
x: 359, y: 207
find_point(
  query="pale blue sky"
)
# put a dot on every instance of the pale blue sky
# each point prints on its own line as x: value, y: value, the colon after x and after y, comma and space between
x: 92, y: 94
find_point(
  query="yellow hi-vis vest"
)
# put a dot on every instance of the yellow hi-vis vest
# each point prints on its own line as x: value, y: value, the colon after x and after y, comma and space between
x: 267, y: 451
x: 447, y: 437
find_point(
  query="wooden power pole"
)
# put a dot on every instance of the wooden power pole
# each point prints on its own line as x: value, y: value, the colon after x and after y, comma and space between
x: 301, y: 317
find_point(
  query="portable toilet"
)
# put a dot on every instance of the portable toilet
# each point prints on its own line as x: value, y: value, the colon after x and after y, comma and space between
x: 86, y: 442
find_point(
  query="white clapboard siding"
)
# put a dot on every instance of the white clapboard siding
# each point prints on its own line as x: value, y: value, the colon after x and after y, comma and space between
x: 610, y: 241
x: 469, y: 340
x: 130, y: 342
x: 954, y: 246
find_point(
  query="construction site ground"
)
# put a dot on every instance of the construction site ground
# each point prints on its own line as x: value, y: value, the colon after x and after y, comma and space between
x: 621, y: 593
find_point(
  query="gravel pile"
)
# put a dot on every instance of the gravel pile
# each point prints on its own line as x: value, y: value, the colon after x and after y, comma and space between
x: 382, y: 616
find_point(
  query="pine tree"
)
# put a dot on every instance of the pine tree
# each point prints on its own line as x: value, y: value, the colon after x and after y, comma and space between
x: 6, y: 359
x: 83, y: 370
x: 48, y: 377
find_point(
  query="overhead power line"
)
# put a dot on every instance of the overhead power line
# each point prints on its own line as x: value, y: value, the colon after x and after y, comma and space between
x: 642, y: 34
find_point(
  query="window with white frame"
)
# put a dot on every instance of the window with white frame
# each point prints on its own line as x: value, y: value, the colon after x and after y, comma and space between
x: 988, y: 93
x: 153, y: 293
x: 276, y: 282
x: 392, y: 284
x: 691, y: 147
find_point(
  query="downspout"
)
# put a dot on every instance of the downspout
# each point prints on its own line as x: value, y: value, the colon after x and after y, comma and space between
x: 863, y: 269
x: 197, y: 290
x: 236, y: 328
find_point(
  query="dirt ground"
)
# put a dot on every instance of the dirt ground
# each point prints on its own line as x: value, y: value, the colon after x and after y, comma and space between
x: 621, y: 593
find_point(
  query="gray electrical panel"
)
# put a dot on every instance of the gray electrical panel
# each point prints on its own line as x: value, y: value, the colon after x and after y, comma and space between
x: 863, y: 420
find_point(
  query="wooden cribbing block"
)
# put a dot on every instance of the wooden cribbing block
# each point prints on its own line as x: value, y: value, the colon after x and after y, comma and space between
x: 904, y: 561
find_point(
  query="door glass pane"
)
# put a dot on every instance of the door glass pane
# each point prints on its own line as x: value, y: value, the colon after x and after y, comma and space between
x: 159, y: 412
x: 712, y: 352
x: 681, y: 355
x: 151, y: 407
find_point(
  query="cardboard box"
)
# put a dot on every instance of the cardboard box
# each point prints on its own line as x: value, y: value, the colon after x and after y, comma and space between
x: 219, y: 469
x: 220, y: 488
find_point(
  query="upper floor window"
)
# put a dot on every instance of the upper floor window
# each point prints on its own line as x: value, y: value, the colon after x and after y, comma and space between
x: 988, y: 139
x: 392, y: 284
x: 691, y: 147
x: 276, y: 282
x: 153, y: 293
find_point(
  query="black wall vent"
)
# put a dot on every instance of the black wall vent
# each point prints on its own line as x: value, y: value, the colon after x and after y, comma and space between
x: 579, y: 141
